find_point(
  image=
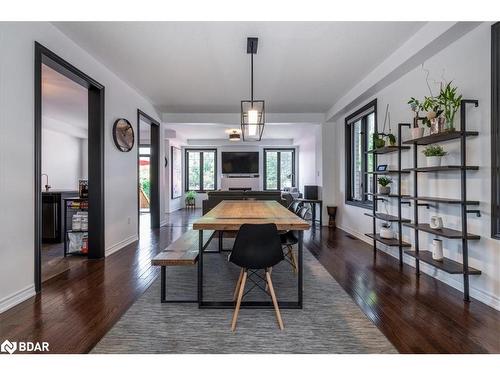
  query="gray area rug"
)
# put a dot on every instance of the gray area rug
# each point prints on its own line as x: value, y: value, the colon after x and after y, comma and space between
x: 330, y: 321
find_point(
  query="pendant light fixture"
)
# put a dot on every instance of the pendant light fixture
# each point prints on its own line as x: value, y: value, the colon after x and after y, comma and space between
x: 252, y: 111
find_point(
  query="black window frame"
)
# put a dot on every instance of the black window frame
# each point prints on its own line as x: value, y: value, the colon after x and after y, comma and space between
x: 495, y: 131
x: 366, y: 202
x: 264, y: 166
x: 186, y: 166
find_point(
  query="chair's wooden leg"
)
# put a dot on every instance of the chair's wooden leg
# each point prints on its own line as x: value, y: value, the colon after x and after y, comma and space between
x: 291, y: 255
x: 270, y: 270
x: 275, y: 302
x: 238, y: 283
x: 238, y: 302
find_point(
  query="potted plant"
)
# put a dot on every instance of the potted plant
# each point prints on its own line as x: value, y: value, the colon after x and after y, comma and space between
x: 450, y: 102
x: 378, y: 140
x: 416, y: 107
x: 433, y: 119
x: 433, y: 155
x: 190, y: 198
x: 383, y: 185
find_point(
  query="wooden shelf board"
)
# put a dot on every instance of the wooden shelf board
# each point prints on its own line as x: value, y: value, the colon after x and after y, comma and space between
x: 387, y: 172
x: 387, y: 150
x: 440, y: 137
x: 388, y: 242
x: 446, y: 264
x: 443, y: 168
x: 386, y: 217
x: 444, y: 232
x: 442, y: 200
x: 388, y: 195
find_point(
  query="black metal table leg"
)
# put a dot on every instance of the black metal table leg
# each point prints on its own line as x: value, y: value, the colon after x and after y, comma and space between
x: 220, y: 240
x: 320, y: 214
x: 313, y: 209
x: 300, y: 245
x: 200, y: 268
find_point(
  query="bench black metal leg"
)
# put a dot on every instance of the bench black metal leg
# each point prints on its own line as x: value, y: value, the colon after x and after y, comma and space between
x: 163, y: 292
x: 163, y: 282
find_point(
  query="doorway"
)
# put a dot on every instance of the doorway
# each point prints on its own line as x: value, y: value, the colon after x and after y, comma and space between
x: 47, y: 61
x: 148, y: 191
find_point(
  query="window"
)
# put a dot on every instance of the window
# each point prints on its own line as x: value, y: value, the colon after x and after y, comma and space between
x: 359, y: 129
x: 279, y: 168
x: 201, y: 170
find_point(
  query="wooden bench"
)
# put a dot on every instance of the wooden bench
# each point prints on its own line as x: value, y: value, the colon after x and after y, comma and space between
x: 181, y: 252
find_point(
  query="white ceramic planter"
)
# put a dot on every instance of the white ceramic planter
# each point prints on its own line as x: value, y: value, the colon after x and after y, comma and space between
x: 417, y: 133
x: 434, y: 161
x: 386, y: 190
x: 437, y: 250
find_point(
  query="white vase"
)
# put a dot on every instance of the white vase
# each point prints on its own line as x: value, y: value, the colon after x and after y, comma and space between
x: 386, y: 233
x: 417, y: 133
x: 384, y: 190
x: 433, y: 161
x: 437, y: 250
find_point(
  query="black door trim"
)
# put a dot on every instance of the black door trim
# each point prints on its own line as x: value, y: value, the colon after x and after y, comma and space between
x: 96, y: 153
x: 154, y: 203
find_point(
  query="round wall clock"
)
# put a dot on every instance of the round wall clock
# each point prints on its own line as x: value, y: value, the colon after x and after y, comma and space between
x: 123, y: 135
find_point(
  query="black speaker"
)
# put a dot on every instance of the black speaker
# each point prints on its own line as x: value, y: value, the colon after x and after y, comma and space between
x: 310, y: 192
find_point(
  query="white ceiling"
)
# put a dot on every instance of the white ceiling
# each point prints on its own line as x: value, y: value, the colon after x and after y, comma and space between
x: 64, y: 101
x: 220, y: 131
x: 203, y: 67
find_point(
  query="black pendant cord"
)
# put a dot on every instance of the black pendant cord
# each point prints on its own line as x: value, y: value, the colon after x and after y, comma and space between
x: 251, y: 78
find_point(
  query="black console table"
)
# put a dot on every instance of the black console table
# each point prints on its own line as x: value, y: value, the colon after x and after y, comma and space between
x: 313, y: 203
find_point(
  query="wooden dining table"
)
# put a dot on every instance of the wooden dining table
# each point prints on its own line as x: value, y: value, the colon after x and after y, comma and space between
x: 230, y: 215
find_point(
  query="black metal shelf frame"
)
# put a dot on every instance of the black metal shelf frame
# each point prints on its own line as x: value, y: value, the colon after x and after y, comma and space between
x: 447, y: 265
x: 376, y: 197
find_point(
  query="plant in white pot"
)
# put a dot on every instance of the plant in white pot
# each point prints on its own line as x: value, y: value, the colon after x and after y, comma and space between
x: 433, y: 119
x: 416, y: 107
x: 384, y: 185
x: 433, y: 154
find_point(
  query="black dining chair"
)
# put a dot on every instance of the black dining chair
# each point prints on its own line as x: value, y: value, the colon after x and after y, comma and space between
x: 289, y: 239
x: 295, y: 206
x: 256, y: 247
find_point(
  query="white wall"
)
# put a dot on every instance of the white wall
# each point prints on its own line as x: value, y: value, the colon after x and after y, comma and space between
x: 62, y: 156
x: 467, y: 63
x: 16, y: 144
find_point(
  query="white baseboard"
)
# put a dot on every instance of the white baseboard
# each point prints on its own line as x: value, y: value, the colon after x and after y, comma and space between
x: 17, y: 297
x: 120, y: 245
x: 480, y: 295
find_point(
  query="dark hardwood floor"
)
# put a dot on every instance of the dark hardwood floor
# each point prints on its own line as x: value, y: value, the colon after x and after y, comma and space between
x: 77, y: 308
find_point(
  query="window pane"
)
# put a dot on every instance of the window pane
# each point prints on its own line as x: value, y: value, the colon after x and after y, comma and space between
x: 370, y: 130
x: 357, y: 153
x: 286, y: 169
x: 208, y: 170
x: 144, y: 150
x: 193, y: 171
x: 271, y: 170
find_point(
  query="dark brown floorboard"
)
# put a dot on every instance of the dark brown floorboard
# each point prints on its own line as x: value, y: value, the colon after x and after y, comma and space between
x: 418, y: 315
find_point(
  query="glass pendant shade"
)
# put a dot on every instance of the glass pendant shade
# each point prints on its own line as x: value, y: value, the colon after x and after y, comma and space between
x: 252, y: 119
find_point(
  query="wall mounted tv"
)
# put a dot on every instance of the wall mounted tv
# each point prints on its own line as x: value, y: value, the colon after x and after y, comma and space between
x: 240, y: 162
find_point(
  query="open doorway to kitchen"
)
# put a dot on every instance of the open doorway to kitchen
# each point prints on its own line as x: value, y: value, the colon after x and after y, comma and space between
x: 148, y: 152
x: 69, y: 137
